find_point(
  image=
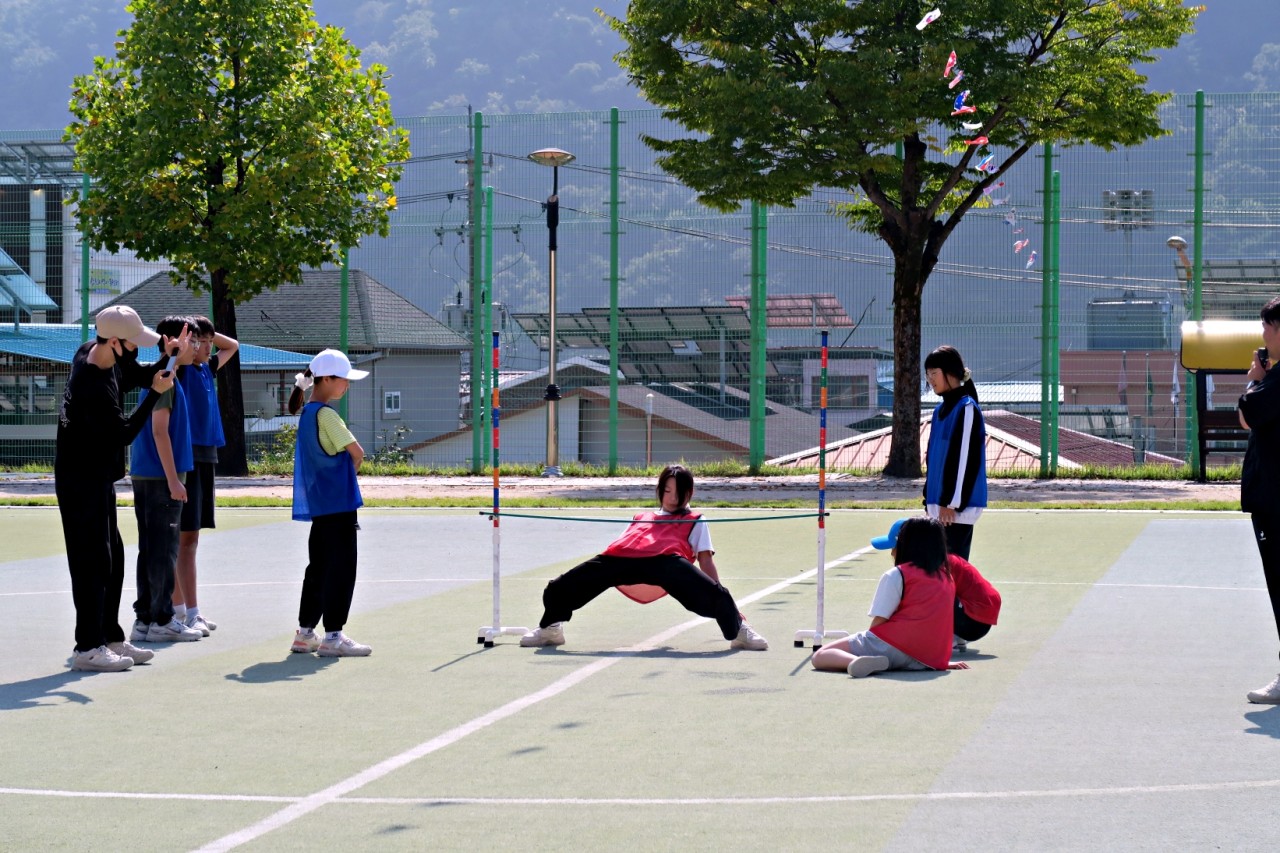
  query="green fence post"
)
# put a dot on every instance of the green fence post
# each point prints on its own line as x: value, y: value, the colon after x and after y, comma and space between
x: 344, y: 302
x: 613, y: 289
x: 759, y: 318
x: 84, y: 273
x: 1046, y: 286
x: 1197, y: 288
x: 1055, y: 275
x: 477, y: 324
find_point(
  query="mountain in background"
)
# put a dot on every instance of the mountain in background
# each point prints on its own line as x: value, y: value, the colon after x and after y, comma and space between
x: 514, y: 56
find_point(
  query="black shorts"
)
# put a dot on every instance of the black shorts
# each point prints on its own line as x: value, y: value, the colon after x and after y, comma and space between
x: 197, y: 512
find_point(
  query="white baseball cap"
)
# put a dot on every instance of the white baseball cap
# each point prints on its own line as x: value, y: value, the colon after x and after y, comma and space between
x: 121, y: 321
x: 331, y: 362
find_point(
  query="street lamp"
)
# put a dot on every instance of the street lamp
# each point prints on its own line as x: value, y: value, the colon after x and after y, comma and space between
x: 555, y: 158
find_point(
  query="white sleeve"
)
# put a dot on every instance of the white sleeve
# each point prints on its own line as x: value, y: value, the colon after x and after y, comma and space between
x: 888, y: 594
x: 700, y: 538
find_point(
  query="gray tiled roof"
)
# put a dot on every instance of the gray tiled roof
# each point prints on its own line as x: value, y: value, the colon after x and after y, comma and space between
x: 307, y: 316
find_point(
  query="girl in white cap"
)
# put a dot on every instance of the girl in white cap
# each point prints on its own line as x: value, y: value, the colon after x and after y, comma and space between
x: 325, y: 492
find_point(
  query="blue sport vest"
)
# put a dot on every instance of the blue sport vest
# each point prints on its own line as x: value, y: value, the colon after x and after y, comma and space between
x: 202, y: 404
x: 144, y: 459
x: 322, y: 484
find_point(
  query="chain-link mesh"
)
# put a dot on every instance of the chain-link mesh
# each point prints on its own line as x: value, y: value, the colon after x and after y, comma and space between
x: 684, y: 288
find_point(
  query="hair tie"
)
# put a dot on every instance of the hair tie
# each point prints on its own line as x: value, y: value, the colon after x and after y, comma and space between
x: 968, y: 376
x: 302, y: 381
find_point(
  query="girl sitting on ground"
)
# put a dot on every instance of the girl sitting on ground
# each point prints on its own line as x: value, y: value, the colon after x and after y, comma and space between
x: 911, y: 613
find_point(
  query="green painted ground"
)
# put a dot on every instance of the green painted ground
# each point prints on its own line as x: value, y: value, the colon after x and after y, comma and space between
x: 683, y: 721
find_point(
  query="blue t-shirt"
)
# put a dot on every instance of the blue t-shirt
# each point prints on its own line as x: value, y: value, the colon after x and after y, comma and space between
x: 144, y: 461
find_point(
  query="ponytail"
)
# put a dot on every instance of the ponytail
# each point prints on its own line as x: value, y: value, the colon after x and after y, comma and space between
x: 301, y: 383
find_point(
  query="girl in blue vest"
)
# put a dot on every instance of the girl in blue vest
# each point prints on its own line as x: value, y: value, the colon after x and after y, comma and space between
x: 911, y: 613
x: 325, y: 492
x: 652, y: 558
x: 955, y: 486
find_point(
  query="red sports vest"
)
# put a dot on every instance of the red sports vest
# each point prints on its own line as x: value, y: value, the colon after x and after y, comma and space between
x: 922, y: 625
x: 979, y: 597
x: 644, y: 539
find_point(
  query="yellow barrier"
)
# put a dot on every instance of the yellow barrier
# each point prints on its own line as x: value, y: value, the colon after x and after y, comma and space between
x: 1214, y: 345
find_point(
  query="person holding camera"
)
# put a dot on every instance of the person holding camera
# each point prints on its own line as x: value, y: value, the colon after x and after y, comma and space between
x: 1259, y: 411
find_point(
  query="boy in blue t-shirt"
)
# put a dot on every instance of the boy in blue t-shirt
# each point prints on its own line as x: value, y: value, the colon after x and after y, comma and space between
x: 197, y: 381
x: 159, y: 462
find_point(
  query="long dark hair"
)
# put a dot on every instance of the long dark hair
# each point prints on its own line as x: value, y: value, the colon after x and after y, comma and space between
x: 296, y: 396
x: 947, y: 359
x: 684, y: 484
x: 922, y: 542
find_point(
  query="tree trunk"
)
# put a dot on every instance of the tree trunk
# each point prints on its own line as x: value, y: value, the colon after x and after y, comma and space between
x: 908, y: 285
x: 232, y: 461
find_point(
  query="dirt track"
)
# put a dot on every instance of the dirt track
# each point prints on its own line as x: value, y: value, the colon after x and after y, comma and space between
x: 736, y: 489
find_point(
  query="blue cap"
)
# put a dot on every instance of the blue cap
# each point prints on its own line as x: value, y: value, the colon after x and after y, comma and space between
x: 890, y: 539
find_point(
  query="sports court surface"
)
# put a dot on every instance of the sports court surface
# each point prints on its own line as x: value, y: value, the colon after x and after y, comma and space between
x: 1106, y: 711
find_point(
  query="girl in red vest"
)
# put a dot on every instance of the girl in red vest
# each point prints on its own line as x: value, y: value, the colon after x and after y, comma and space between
x: 654, y: 557
x: 911, y: 613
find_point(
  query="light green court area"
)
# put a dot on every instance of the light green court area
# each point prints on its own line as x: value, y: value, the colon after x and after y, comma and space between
x: 643, y: 732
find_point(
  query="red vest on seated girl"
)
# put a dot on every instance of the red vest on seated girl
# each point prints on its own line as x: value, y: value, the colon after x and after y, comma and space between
x: 644, y: 538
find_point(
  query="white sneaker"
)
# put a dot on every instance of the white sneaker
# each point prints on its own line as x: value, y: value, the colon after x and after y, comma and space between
x: 959, y: 644
x: 861, y: 667
x: 173, y: 632
x: 139, y: 632
x: 100, y: 659
x: 343, y: 647
x: 1269, y: 695
x: 199, y: 623
x: 748, y: 639
x: 126, y: 649
x: 305, y: 642
x: 552, y: 635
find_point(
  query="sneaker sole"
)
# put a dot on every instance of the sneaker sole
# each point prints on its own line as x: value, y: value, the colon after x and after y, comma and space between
x: 864, y: 666
x: 335, y: 653
x: 99, y: 668
x: 1263, y: 699
x: 303, y: 650
x: 173, y: 638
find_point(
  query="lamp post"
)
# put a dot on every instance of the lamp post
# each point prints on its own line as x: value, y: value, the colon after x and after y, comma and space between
x: 648, y: 430
x: 555, y: 158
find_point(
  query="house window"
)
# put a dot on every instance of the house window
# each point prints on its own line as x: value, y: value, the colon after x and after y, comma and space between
x: 390, y: 402
x: 843, y: 392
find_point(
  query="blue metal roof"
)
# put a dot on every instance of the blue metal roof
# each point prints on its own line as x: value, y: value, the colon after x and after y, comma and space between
x: 58, y: 342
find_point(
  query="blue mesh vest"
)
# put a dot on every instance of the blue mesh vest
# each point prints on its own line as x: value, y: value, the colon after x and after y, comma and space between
x: 202, y: 405
x: 322, y: 484
x: 144, y: 458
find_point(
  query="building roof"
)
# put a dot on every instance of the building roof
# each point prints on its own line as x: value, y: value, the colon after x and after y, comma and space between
x: 58, y: 342
x: 682, y: 408
x: 307, y: 316
x: 1013, y: 444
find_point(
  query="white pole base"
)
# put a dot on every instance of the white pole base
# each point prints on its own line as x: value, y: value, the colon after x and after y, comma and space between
x: 486, y: 635
x: 818, y: 638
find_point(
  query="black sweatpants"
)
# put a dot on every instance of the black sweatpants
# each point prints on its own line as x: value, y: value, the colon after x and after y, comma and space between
x: 966, y: 628
x: 1266, y: 529
x: 959, y: 539
x: 330, y: 579
x: 683, y: 581
x: 95, y: 556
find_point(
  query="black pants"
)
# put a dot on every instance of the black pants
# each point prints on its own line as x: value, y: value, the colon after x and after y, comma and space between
x: 95, y: 556
x: 330, y: 580
x: 683, y: 581
x: 959, y: 538
x: 1266, y: 529
x: 966, y: 628
x: 158, y: 516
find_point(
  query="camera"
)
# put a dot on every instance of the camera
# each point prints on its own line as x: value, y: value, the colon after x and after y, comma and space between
x: 1262, y: 358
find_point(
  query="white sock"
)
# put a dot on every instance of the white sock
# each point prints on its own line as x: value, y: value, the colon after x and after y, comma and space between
x: 180, y: 610
x: 332, y: 636
x: 306, y: 632
x: 193, y: 612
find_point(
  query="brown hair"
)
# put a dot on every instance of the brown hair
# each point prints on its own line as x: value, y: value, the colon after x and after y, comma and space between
x: 295, y: 398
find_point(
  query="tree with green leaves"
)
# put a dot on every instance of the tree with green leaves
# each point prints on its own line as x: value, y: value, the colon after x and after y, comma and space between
x: 239, y: 141
x: 786, y: 96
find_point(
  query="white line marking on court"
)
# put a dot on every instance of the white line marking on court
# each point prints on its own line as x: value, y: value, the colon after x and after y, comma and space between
x: 928, y: 796
x: 331, y: 794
